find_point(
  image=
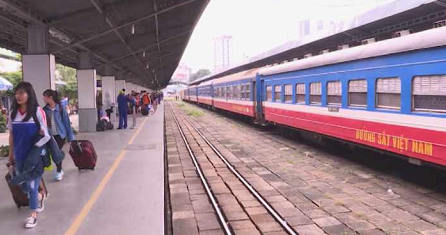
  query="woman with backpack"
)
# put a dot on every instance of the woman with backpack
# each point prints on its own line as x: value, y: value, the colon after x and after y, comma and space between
x: 28, y: 130
x: 59, y: 124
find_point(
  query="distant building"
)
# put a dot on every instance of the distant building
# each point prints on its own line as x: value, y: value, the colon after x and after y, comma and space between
x: 223, y: 53
x: 318, y: 28
x: 181, y: 74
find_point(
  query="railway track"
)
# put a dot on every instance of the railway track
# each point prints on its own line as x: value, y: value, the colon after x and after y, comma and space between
x: 212, y: 197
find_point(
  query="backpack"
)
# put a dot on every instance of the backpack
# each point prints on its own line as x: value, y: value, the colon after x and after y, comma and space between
x: 110, y: 126
x: 101, y: 125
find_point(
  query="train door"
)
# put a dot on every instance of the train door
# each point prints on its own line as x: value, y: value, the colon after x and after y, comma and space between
x: 213, y: 94
x: 259, y: 99
x: 254, y: 95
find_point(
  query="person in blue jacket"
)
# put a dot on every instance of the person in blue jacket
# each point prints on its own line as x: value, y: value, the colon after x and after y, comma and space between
x: 59, y: 124
x: 27, y: 122
x: 123, y: 106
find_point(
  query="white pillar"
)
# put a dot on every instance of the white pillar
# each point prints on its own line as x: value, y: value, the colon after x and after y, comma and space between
x: 39, y: 70
x: 38, y: 65
x: 109, y: 95
x: 86, y: 91
x: 108, y: 91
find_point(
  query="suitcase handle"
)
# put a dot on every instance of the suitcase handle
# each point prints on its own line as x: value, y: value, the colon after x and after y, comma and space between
x: 78, y: 145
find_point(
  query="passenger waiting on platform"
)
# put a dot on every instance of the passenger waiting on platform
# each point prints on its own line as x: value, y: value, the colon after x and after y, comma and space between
x: 28, y: 133
x: 137, y: 102
x: 145, y: 100
x: 122, y: 109
x: 132, y: 101
x: 59, y: 124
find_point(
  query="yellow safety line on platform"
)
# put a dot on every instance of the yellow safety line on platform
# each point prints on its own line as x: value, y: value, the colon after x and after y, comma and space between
x: 84, y: 212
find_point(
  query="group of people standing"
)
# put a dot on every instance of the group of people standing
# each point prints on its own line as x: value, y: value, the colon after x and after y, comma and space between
x: 32, y: 129
x: 135, y: 103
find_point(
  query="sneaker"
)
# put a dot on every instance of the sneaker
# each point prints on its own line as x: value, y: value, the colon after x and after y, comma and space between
x: 59, y: 176
x: 31, y: 222
x: 42, y: 203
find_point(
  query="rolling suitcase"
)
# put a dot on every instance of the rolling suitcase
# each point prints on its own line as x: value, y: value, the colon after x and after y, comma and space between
x: 20, y: 198
x: 145, y: 110
x: 83, y: 154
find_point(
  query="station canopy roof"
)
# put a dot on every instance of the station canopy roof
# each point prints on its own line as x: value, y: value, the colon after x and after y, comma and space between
x: 143, y: 40
x: 379, y: 23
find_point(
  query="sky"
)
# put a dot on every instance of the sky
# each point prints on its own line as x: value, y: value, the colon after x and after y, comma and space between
x: 259, y: 25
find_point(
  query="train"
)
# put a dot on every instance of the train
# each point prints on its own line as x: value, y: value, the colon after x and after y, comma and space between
x: 389, y: 95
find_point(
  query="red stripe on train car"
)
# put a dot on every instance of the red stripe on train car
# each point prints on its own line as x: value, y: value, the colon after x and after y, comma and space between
x: 427, y: 145
x: 247, y: 110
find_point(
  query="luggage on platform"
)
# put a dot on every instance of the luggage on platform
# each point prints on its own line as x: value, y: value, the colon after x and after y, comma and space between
x: 20, y: 197
x: 83, y: 154
x: 110, y: 126
x: 144, y: 110
x: 101, y: 125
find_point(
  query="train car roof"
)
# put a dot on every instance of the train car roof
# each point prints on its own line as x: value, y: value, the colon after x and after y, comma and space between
x: 422, y: 40
x: 207, y: 83
x: 251, y: 73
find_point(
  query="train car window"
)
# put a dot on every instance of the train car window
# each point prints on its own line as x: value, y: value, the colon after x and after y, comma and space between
x: 429, y: 93
x: 248, y: 92
x: 269, y: 93
x: 388, y: 93
x: 223, y: 92
x: 357, y: 93
x: 235, y: 92
x: 242, y: 91
x: 288, y: 93
x: 277, y: 93
x: 315, y: 93
x: 239, y: 92
x: 334, y: 93
x: 300, y: 93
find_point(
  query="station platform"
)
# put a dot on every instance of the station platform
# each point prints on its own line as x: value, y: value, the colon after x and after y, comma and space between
x: 123, y: 195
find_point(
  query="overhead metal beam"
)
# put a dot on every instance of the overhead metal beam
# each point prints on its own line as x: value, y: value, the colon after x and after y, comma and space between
x: 155, y: 9
x: 110, y: 23
x: 33, y: 17
x: 62, y: 18
x: 150, y: 61
x: 22, y: 11
x: 146, y: 48
x: 123, y: 25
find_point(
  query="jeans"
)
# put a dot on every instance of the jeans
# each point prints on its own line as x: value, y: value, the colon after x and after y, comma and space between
x: 122, y: 119
x: 60, y: 142
x: 33, y: 193
x: 31, y: 188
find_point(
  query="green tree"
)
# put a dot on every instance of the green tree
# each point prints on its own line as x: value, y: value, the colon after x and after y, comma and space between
x: 14, y: 78
x: 199, y: 74
x: 67, y: 75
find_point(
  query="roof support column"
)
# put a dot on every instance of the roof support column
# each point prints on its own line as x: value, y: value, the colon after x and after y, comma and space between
x: 109, y: 91
x: 86, y: 90
x: 39, y: 66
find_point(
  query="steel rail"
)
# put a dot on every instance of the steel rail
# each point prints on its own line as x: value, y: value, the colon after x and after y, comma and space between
x: 254, y: 192
x: 209, y: 192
